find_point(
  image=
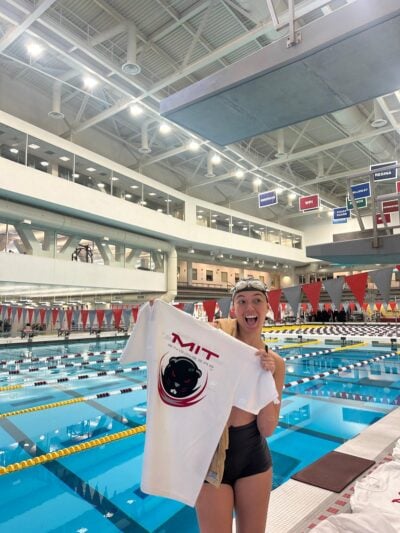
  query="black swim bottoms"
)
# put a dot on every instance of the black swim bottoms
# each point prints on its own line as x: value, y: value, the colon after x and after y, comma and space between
x: 248, y: 453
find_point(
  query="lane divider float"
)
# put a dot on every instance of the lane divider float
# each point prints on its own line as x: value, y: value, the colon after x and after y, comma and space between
x: 76, y: 448
x: 337, y: 370
x: 73, y: 378
x: 61, y: 403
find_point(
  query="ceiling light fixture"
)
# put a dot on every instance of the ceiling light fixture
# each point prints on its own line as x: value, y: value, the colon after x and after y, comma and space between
x: 89, y: 82
x: 194, y: 146
x: 239, y: 173
x: 135, y: 110
x: 164, y: 128
x: 34, y: 49
x: 216, y: 159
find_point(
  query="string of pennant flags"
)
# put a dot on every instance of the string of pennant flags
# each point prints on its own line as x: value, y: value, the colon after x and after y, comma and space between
x: 123, y: 317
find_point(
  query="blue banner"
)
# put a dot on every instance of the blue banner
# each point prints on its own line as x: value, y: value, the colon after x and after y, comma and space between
x: 362, y: 190
x: 387, y: 174
x: 340, y: 213
x: 267, y: 198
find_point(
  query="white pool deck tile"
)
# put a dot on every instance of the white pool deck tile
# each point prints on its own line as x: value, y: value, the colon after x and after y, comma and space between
x: 293, y: 501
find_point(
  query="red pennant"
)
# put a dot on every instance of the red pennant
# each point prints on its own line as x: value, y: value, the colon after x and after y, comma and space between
x: 84, y: 317
x: 179, y: 305
x: 30, y: 315
x: 378, y: 305
x: 304, y: 307
x: 352, y: 306
x: 42, y: 314
x: 398, y: 267
x: 328, y: 306
x: 357, y: 283
x: 274, y: 297
x: 9, y: 311
x: 19, y: 313
x: 117, y: 317
x: 54, y: 316
x: 313, y: 291
x: 365, y: 306
x: 209, y: 308
x: 100, y: 317
x: 69, y: 317
x: 135, y: 311
x: 392, y: 305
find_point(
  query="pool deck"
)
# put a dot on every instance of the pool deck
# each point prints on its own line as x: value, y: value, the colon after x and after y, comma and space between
x: 296, y: 507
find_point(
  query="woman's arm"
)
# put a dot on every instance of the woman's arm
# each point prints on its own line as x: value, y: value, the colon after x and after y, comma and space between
x: 268, y: 417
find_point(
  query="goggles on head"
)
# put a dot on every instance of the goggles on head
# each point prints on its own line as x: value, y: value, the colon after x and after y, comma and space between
x: 249, y: 284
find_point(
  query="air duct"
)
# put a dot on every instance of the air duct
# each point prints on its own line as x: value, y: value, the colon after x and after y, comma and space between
x: 56, y: 103
x: 145, y: 148
x: 351, y: 119
x: 210, y: 167
x: 131, y: 66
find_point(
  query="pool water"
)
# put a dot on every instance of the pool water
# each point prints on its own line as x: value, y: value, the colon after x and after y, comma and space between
x: 98, y: 489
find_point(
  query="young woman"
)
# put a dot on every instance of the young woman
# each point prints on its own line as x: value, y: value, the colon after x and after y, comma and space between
x: 247, y: 474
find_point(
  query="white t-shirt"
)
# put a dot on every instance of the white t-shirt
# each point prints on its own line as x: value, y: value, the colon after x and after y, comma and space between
x: 379, y: 491
x: 196, y: 373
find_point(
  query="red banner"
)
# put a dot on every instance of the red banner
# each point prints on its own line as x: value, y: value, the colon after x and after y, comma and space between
x: 312, y: 292
x: 379, y: 219
x: 30, y: 315
x: 54, y: 316
x: 357, y: 283
x: 135, y: 311
x: 390, y: 206
x: 19, y: 313
x: 307, y: 203
x: 274, y: 297
x: 117, y: 317
x: 378, y: 305
x: 100, y: 317
x: 68, y: 313
x: 392, y: 305
x: 42, y: 314
x: 84, y: 317
x: 209, y: 308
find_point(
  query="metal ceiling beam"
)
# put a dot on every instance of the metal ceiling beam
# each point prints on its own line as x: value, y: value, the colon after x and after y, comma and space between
x: 13, y: 35
x: 104, y: 115
x: 328, y: 146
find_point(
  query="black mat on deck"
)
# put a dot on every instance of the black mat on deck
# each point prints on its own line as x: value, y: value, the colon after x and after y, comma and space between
x: 334, y: 471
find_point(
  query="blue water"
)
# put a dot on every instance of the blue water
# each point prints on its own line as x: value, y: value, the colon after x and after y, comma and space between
x: 98, y: 489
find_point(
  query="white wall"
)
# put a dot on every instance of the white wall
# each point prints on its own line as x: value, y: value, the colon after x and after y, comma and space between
x: 16, y: 268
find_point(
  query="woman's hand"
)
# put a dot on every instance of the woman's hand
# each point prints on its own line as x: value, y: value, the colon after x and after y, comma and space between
x: 267, y: 360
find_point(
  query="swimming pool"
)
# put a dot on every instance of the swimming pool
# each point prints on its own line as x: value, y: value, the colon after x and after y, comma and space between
x: 63, y: 399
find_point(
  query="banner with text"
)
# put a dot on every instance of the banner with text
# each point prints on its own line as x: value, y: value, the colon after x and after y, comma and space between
x: 308, y: 203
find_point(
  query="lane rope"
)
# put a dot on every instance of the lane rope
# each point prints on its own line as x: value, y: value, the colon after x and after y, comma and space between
x: 76, y: 448
x: 5, y: 362
x: 102, y: 373
x: 337, y: 370
x: 61, y: 403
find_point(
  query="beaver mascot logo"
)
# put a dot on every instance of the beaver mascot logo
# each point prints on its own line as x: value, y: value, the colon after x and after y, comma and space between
x: 178, y: 382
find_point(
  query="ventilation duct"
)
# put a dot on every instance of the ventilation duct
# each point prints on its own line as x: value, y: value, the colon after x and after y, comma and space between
x: 131, y: 66
x: 145, y: 148
x: 352, y: 120
x: 56, y: 103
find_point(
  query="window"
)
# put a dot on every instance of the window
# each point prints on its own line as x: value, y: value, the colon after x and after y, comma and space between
x: 224, y: 277
x: 194, y: 274
x: 237, y: 277
x: 209, y: 275
x: 302, y: 279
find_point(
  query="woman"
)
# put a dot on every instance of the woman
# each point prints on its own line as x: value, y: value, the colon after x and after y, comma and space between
x: 247, y: 475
